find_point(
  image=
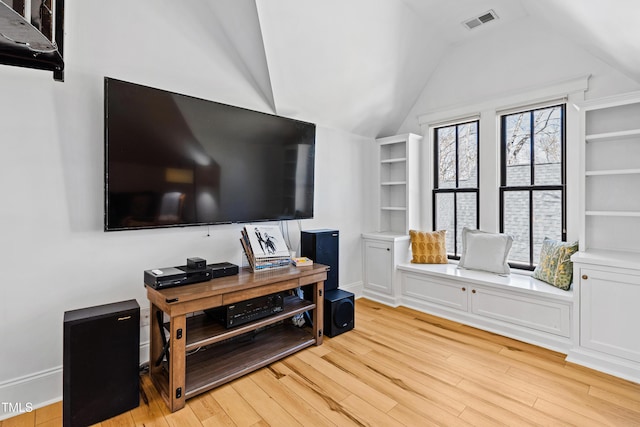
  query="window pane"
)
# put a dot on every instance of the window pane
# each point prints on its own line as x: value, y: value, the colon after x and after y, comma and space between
x: 547, y: 144
x: 518, y: 148
x: 446, y: 140
x: 516, y: 224
x: 466, y: 211
x: 547, y: 219
x: 445, y: 218
x: 468, y: 155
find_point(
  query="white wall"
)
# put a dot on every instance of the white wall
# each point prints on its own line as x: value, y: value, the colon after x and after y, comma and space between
x: 340, y: 198
x: 54, y: 254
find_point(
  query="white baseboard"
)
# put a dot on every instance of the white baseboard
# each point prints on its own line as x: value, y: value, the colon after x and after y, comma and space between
x: 506, y: 329
x: 355, y: 288
x: 33, y: 391
x: 30, y: 392
x: 144, y: 352
x: 626, y: 369
x: 381, y: 298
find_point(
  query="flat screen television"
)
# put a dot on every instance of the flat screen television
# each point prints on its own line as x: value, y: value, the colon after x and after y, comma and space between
x: 176, y: 160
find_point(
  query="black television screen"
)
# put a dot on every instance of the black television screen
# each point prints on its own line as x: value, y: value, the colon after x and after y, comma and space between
x: 176, y: 160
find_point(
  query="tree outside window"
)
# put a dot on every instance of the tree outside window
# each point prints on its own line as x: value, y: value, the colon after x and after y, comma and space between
x: 532, y: 191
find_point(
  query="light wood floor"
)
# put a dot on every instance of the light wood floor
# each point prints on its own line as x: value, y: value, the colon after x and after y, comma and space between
x: 404, y: 368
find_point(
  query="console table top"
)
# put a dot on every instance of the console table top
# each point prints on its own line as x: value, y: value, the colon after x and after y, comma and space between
x: 244, y: 280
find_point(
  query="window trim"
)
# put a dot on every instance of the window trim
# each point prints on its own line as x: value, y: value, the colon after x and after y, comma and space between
x: 531, y: 189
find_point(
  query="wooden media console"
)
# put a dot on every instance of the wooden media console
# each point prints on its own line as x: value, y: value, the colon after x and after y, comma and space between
x: 200, y: 353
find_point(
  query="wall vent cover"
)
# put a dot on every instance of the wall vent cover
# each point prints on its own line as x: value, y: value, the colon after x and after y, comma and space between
x: 480, y: 20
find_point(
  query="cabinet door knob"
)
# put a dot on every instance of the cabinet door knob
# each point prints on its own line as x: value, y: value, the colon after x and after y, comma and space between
x: 585, y: 277
x: 473, y: 291
x: 464, y: 289
x: 388, y: 249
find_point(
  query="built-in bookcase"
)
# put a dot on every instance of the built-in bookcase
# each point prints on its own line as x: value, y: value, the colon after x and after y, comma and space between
x: 612, y: 174
x: 606, y: 270
x: 398, y: 183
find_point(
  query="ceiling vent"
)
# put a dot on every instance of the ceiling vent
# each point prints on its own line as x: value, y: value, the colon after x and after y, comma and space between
x: 480, y: 20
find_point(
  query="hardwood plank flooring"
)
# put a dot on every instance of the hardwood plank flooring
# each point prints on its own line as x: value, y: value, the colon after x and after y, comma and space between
x: 398, y: 367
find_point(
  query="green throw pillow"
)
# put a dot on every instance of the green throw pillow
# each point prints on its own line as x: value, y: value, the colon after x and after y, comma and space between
x: 555, y: 266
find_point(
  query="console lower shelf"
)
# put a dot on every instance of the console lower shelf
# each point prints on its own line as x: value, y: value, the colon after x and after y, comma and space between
x: 216, y: 365
x: 213, y: 366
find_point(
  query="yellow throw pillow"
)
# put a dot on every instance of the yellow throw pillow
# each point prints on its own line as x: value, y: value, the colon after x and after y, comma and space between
x: 428, y: 247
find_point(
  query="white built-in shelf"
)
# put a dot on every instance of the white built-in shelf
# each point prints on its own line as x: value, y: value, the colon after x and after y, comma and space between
x: 389, y: 236
x: 396, y: 160
x: 623, y: 259
x: 610, y: 169
x: 397, y: 183
x: 614, y: 213
x: 610, y: 136
x: 613, y: 172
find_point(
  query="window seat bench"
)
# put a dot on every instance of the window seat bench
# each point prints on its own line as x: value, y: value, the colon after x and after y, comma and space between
x: 517, y: 306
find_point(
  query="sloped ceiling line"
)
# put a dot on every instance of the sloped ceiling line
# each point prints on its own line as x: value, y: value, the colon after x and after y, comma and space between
x: 606, y: 28
x: 244, y: 34
x: 356, y: 66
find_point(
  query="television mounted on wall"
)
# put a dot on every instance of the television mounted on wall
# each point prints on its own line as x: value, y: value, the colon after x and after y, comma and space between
x: 174, y: 160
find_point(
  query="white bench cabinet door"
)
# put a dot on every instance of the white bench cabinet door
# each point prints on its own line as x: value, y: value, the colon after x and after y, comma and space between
x: 378, y: 266
x: 552, y: 317
x: 437, y: 291
x: 609, y: 314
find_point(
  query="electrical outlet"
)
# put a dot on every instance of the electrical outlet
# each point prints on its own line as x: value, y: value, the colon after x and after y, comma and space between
x: 145, y: 315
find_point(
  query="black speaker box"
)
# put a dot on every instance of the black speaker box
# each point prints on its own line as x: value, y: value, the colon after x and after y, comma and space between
x: 322, y: 247
x: 100, y: 362
x: 339, y: 313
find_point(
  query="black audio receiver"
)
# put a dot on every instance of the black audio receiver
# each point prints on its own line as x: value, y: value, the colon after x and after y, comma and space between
x: 249, y: 310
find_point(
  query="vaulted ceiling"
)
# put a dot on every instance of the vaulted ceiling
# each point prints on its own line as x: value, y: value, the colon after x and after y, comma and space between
x: 359, y: 65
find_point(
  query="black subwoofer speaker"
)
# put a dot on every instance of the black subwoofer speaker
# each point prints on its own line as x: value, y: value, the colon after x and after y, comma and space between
x: 339, y: 313
x: 100, y: 362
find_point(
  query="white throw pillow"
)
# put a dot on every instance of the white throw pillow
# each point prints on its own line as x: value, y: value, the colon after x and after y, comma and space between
x: 485, y: 251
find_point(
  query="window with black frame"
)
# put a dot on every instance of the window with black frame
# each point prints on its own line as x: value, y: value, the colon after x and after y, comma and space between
x: 455, y: 188
x: 532, y: 182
